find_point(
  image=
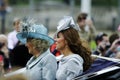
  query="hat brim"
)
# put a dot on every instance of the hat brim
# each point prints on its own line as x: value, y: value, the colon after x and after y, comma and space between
x: 23, y: 37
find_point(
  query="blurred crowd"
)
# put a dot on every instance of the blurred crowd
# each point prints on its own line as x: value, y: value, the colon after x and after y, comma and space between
x: 14, y: 54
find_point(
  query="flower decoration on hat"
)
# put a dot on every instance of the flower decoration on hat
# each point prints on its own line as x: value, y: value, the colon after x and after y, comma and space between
x: 27, y: 25
x: 31, y: 30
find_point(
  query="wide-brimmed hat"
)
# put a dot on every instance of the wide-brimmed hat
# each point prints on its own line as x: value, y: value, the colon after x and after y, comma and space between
x: 31, y: 30
x: 65, y: 23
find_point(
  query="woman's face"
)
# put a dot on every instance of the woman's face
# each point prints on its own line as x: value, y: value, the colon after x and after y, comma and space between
x: 30, y: 47
x: 17, y: 26
x: 60, y: 42
x: 82, y: 22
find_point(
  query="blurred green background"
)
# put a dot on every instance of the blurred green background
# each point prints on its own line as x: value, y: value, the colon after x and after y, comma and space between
x: 105, y: 13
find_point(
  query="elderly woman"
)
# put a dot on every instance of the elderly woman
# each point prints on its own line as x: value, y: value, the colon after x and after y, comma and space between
x: 43, y: 64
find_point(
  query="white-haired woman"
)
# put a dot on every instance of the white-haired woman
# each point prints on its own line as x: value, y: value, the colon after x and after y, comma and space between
x: 43, y: 64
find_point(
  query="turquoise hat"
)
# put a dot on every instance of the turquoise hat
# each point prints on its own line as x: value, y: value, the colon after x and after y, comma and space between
x: 31, y: 30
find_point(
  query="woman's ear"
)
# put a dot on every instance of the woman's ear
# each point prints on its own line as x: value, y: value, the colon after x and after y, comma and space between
x: 66, y: 43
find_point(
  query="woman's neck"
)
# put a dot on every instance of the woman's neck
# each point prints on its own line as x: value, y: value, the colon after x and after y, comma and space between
x: 36, y: 54
x: 66, y: 52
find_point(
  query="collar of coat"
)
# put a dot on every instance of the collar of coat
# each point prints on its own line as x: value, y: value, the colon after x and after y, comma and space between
x: 31, y: 63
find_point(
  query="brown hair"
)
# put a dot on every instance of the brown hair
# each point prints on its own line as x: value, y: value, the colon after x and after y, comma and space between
x: 16, y: 20
x: 113, y: 37
x: 76, y: 45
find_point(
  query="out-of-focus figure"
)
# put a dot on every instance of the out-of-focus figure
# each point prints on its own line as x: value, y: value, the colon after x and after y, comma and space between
x: 4, y: 59
x: 16, y: 48
x: 1, y: 66
x: 114, y: 45
x: 12, y: 39
x: 87, y: 28
x: 3, y: 6
x: 102, y: 42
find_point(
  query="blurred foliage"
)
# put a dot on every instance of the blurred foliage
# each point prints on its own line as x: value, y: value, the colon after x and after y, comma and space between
x: 77, y: 2
x: 97, y: 2
x: 23, y: 2
x: 100, y: 2
x: 105, y: 2
x: 18, y: 2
